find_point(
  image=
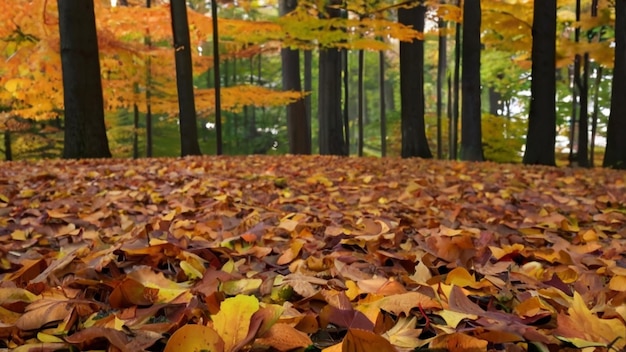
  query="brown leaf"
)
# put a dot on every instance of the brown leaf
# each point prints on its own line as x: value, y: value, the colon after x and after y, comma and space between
x: 283, y: 337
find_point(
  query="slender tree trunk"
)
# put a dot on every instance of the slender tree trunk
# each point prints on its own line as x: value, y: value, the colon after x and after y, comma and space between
x: 442, y: 65
x: 414, y: 142
x: 454, y: 130
x: 308, y: 86
x: 615, y: 155
x: 581, y: 86
x: 496, y: 104
x: 594, y: 117
x: 298, y: 130
x: 184, y: 80
x: 346, y: 98
x: 383, y: 112
x: 8, y: 152
x: 471, y: 138
x: 361, y: 102
x: 450, y: 115
x: 135, y: 131
x: 216, y: 80
x: 85, y: 131
x: 542, y: 117
x: 148, y: 42
x: 583, y: 123
x: 332, y: 139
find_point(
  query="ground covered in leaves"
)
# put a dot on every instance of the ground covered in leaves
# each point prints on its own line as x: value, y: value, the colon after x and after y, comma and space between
x: 310, y: 253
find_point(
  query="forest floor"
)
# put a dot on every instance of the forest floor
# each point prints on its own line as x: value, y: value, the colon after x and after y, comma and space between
x: 311, y: 253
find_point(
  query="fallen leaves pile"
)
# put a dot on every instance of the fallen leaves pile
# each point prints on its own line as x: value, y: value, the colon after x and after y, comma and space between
x: 311, y: 253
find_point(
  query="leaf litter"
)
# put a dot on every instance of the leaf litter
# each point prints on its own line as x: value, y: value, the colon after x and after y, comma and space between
x: 263, y: 253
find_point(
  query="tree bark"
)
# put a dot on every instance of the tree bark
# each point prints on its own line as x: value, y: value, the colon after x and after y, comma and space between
x: 8, y: 152
x: 135, y: 131
x: 454, y: 123
x: 217, y: 85
x: 496, y: 103
x: 298, y: 128
x: 414, y: 142
x: 184, y: 79
x: 361, y: 102
x: 594, y: 117
x: 85, y: 131
x: 331, y: 127
x: 442, y: 66
x: 615, y: 155
x: 471, y: 133
x: 382, y: 107
x: 542, y: 117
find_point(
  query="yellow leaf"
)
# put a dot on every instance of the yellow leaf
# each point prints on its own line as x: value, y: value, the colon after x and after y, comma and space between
x: 453, y: 318
x: 43, y: 337
x: 190, y: 270
x: 233, y: 320
x: 194, y: 338
x: 404, y: 334
x: 618, y: 283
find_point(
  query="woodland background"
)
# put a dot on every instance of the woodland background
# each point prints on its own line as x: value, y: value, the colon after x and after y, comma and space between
x: 353, y: 47
x: 313, y: 253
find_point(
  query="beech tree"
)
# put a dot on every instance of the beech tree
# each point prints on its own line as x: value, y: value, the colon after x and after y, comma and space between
x: 331, y: 136
x: 85, y: 132
x: 615, y: 156
x: 542, y: 117
x: 471, y: 134
x: 184, y: 79
x: 414, y: 142
x: 298, y: 127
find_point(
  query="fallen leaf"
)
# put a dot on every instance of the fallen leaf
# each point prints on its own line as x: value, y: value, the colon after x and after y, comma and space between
x: 194, y: 338
x: 233, y: 320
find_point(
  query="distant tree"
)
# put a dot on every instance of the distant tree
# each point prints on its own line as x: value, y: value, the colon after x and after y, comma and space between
x: 471, y: 134
x: 542, y: 117
x: 414, y: 142
x: 85, y: 132
x: 331, y: 128
x: 442, y: 68
x: 184, y: 79
x: 615, y: 155
x: 298, y: 126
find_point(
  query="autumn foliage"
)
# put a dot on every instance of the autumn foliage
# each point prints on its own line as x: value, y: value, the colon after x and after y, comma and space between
x: 257, y: 253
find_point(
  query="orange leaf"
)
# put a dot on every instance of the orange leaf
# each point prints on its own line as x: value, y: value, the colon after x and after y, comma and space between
x: 358, y: 340
x: 195, y: 338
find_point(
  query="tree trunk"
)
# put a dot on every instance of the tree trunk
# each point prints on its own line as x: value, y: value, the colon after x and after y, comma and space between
x: 414, y: 142
x: 331, y: 127
x: 594, y: 117
x: 85, y: 131
x: 582, y: 157
x: 148, y: 42
x: 382, y: 97
x: 542, y: 118
x: 8, y: 152
x: 442, y: 65
x: 184, y: 79
x: 361, y: 103
x: 216, y: 81
x: 471, y: 134
x: 135, y: 131
x: 298, y: 131
x: 308, y: 87
x: 454, y: 127
x: 496, y: 103
x: 346, y: 98
x: 615, y: 155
